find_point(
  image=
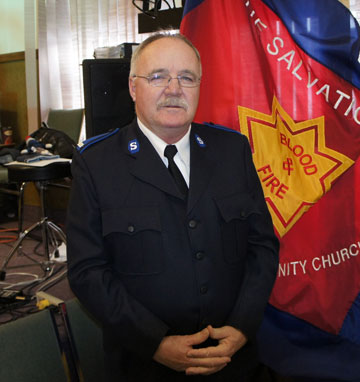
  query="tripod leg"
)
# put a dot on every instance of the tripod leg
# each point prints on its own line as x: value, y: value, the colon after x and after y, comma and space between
x: 44, y: 227
x: 18, y: 242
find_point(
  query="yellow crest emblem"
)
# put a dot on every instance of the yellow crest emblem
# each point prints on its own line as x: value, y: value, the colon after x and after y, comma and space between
x: 293, y: 163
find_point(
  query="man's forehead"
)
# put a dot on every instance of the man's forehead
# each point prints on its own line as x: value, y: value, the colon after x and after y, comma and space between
x: 168, y: 40
x: 166, y: 44
x: 160, y: 53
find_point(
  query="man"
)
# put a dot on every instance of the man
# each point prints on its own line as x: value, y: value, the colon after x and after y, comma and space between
x: 178, y: 277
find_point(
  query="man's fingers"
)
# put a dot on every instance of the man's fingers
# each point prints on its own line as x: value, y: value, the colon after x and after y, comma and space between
x: 198, y: 338
x: 211, y: 351
x: 203, y: 370
x: 232, y: 339
x: 217, y: 333
x: 211, y: 361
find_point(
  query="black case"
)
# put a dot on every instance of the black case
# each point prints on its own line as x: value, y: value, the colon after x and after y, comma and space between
x: 106, y: 94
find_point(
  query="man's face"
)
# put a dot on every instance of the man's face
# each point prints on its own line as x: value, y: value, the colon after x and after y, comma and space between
x: 169, y: 56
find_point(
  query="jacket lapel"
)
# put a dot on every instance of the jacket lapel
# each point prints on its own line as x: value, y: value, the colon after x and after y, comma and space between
x: 145, y: 164
x: 202, y: 165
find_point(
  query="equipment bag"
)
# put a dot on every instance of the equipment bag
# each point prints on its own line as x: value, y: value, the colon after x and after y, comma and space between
x: 61, y: 143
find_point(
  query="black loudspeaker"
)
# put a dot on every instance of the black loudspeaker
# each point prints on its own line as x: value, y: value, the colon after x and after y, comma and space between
x: 108, y: 104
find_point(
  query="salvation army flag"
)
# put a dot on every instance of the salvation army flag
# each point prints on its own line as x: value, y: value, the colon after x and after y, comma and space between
x: 285, y: 74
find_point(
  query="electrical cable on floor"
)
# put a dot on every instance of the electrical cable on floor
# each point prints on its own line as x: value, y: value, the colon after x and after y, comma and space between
x: 23, y: 303
x: 53, y: 279
x: 50, y: 283
x: 8, y: 238
x: 15, y: 285
x: 37, y: 278
x: 25, y: 285
x: 18, y: 310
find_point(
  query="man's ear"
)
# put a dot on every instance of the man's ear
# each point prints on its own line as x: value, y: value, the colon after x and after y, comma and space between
x: 132, y: 87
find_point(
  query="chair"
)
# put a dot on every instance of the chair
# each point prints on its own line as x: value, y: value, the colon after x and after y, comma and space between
x: 30, y: 350
x: 6, y: 190
x: 51, y: 235
x: 3, y: 175
x: 70, y: 122
x: 8, y: 193
x: 85, y: 337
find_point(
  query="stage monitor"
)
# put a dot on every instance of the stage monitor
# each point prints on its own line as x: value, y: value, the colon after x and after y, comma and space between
x: 108, y: 104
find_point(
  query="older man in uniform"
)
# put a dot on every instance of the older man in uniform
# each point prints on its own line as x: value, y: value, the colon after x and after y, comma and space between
x: 170, y: 243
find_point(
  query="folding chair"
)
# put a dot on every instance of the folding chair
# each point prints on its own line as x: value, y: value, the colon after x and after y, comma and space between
x: 30, y: 350
x: 85, y: 336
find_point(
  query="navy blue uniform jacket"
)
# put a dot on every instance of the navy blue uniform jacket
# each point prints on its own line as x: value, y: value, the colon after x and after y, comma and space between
x: 148, y: 263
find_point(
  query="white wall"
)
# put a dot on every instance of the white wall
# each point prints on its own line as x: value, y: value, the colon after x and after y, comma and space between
x: 12, y: 26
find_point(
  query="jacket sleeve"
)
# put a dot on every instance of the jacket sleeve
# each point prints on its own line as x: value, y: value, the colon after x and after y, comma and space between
x: 261, y: 258
x: 91, y: 277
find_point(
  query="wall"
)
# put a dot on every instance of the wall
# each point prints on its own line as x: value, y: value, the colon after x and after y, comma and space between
x: 12, y: 37
x: 13, y: 102
x: 13, y: 107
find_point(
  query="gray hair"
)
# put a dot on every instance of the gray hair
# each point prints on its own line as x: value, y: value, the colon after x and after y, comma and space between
x: 155, y: 37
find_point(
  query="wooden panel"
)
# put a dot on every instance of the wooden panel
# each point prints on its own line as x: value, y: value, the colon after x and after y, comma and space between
x: 13, y: 106
x: 13, y: 111
x: 17, y: 56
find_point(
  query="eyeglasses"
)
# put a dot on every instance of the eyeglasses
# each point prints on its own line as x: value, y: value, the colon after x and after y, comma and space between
x: 160, y: 80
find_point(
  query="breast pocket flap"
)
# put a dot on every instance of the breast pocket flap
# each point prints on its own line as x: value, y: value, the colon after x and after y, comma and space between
x: 236, y: 206
x: 131, y: 221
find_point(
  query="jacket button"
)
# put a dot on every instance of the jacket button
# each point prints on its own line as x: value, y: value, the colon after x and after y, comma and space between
x: 192, y: 223
x: 200, y: 255
x: 203, y: 289
x: 131, y: 228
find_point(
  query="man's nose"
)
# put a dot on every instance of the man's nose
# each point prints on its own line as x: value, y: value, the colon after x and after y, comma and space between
x: 174, y: 86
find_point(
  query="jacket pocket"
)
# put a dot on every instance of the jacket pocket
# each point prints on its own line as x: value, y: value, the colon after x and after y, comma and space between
x: 236, y: 211
x: 133, y: 239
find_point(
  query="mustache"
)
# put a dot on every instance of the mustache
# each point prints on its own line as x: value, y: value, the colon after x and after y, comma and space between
x: 173, y: 101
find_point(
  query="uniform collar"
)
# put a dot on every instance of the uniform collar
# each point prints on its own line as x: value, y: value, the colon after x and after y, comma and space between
x: 183, y: 145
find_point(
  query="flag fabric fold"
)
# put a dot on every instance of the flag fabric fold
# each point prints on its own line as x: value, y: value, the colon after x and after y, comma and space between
x: 285, y: 73
x: 334, y: 44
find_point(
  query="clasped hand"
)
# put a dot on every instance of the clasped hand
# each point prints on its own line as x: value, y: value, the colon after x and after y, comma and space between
x: 177, y: 352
